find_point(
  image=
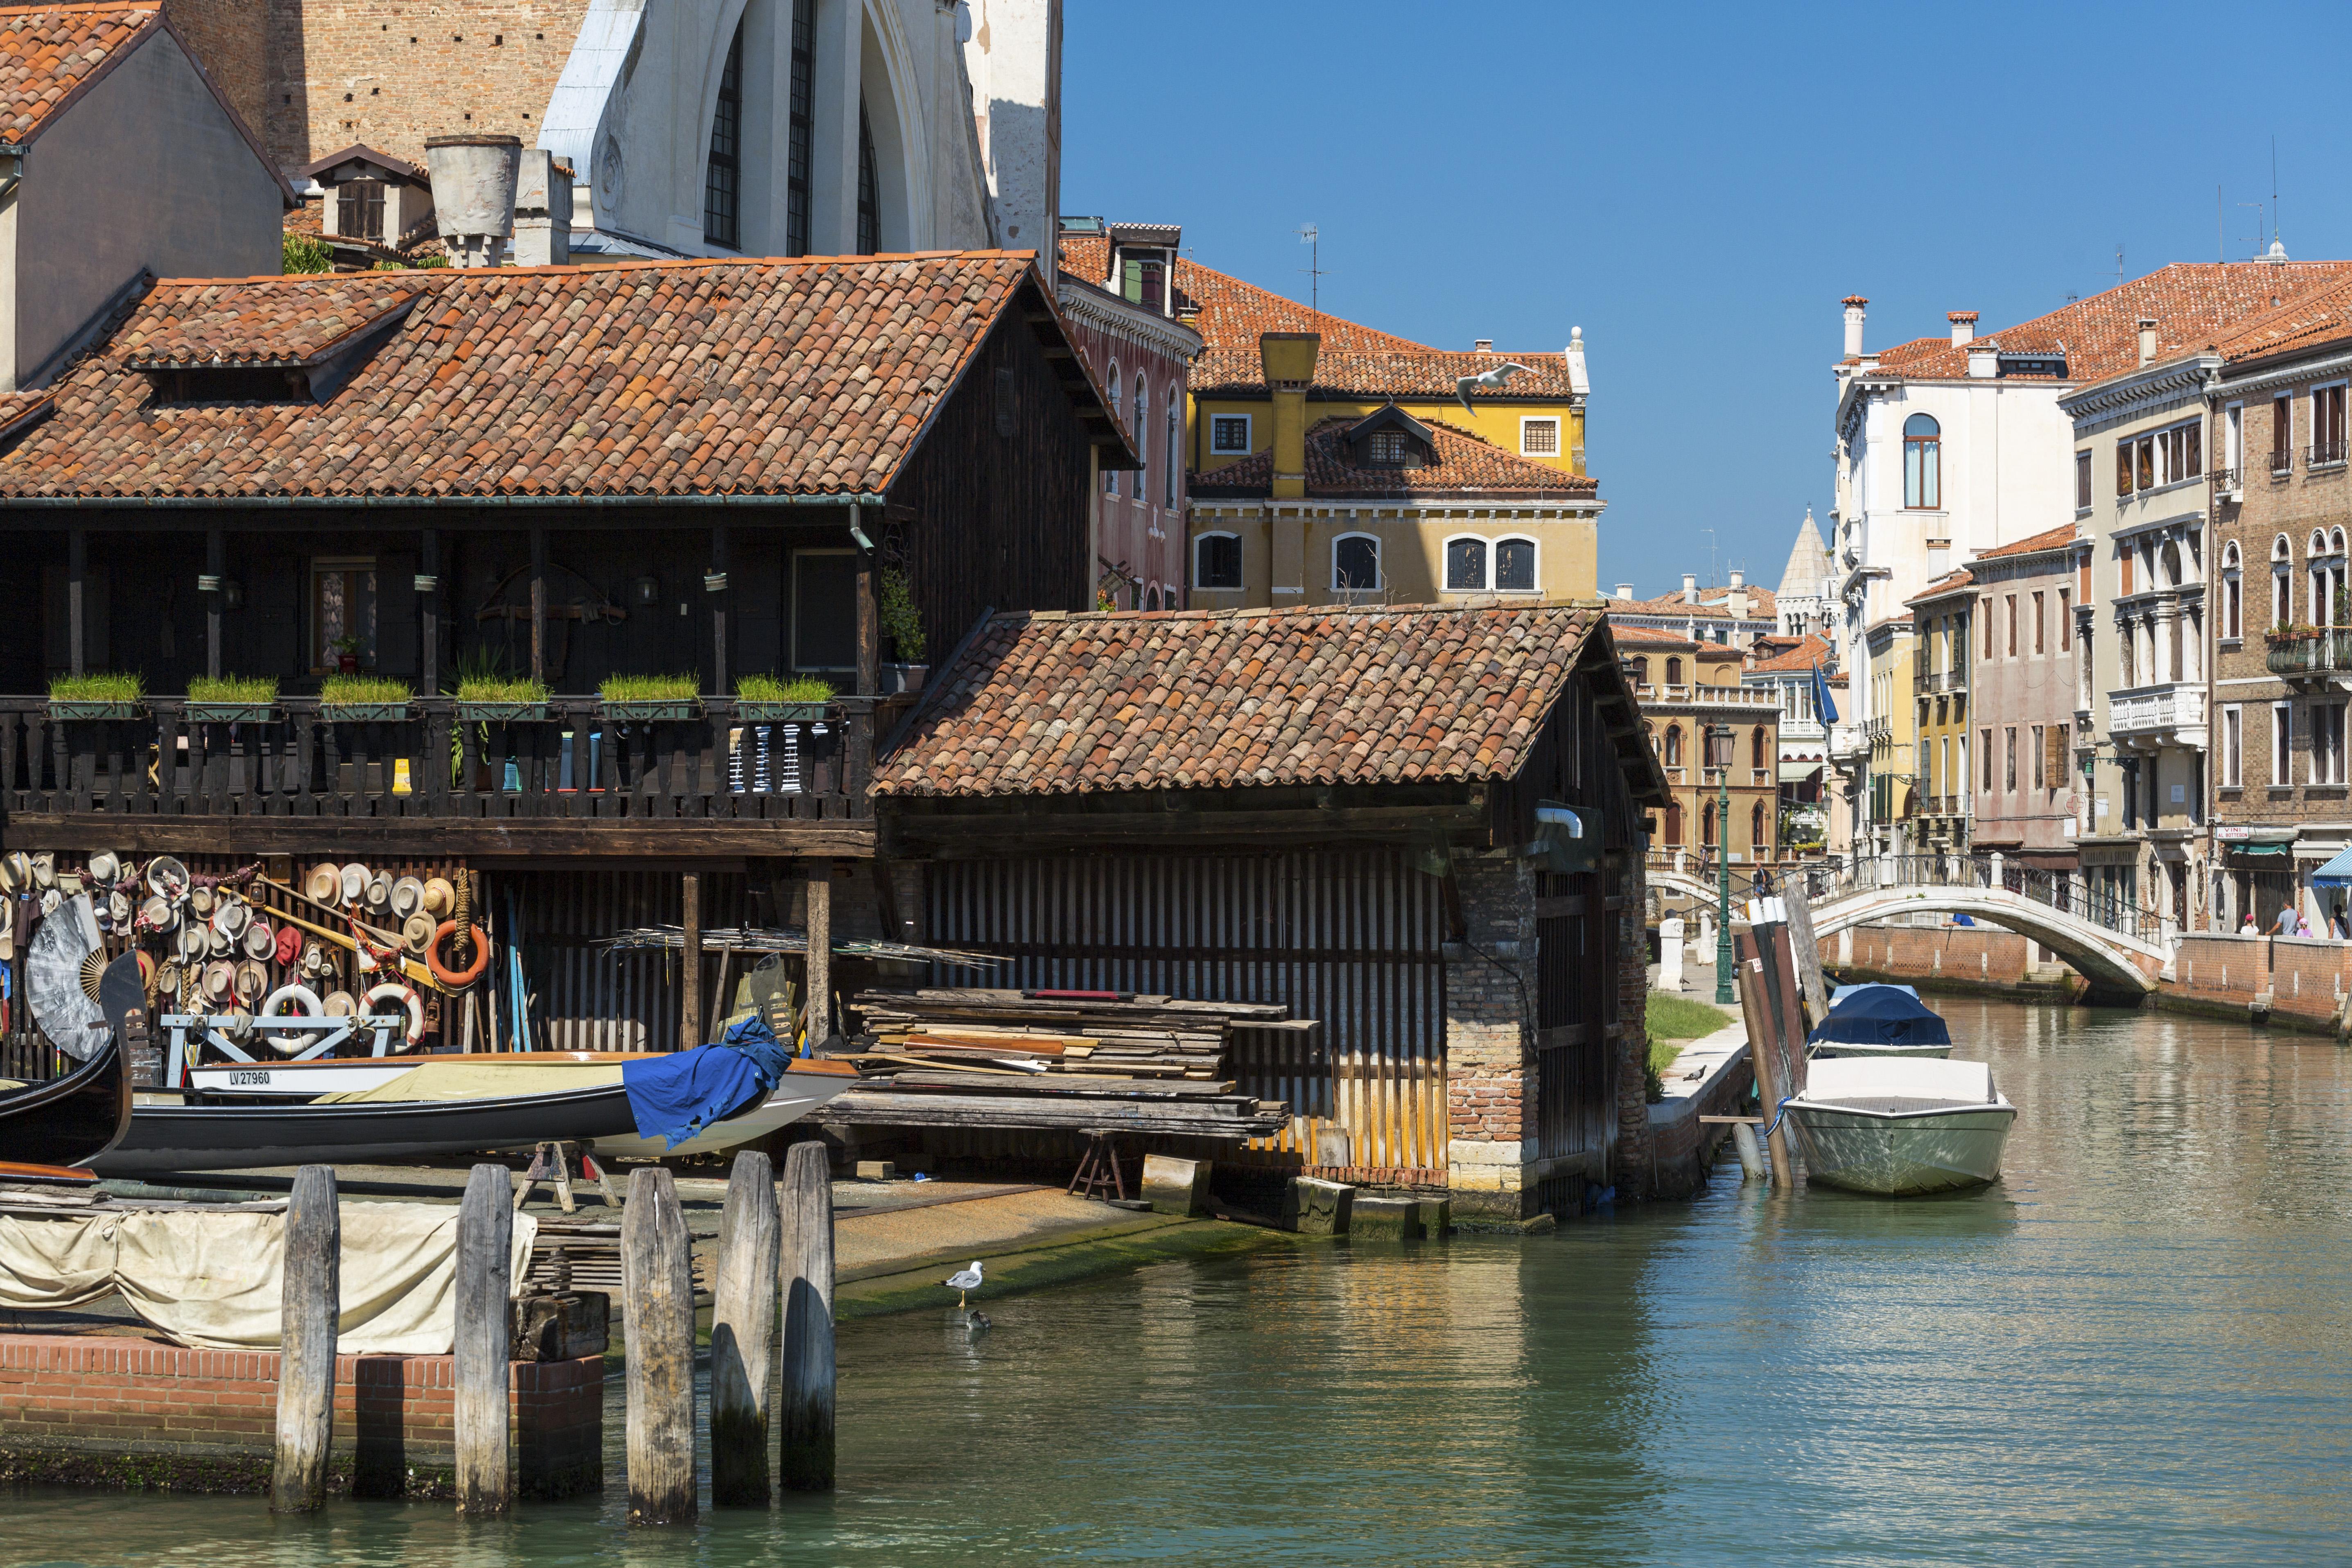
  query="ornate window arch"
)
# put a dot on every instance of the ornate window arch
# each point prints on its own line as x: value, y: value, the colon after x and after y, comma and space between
x: 1674, y: 753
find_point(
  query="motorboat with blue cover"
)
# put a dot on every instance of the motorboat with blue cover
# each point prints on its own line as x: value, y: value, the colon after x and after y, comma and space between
x: 1897, y: 1128
x: 1880, y: 1021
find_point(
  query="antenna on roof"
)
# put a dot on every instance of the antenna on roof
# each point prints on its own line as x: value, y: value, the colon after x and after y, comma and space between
x: 1310, y: 235
x: 2119, y: 263
x: 2275, y: 223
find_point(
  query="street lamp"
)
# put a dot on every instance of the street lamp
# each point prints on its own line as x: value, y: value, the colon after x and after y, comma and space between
x: 1718, y: 738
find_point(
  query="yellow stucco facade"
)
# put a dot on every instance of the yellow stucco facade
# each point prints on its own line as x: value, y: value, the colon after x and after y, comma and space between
x: 1289, y: 550
x: 1503, y: 420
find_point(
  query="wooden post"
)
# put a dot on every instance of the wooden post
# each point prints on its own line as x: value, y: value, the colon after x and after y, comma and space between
x: 743, y: 1334
x: 310, y: 1303
x: 539, y: 603
x: 485, y: 1274
x: 217, y: 568
x: 429, y: 566
x: 1808, y: 952
x: 1757, y: 1019
x: 77, y: 597
x: 820, y: 952
x: 657, y: 1293
x: 806, y: 1417
x: 869, y: 626
x: 689, y: 1024
x: 718, y: 601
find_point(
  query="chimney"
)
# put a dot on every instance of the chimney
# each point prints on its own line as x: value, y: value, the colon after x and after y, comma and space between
x: 1482, y: 346
x: 1625, y: 590
x: 2148, y: 340
x: 1690, y: 587
x: 542, y: 222
x: 1963, y: 326
x: 1853, y: 304
x: 1288, y: 359
x: 1013, y: 59
x: 474, y: 182
x: 1738, y: 578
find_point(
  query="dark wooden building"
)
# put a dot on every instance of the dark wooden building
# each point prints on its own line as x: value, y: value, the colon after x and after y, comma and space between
x: 819, y: 466
x: 1422, y: 826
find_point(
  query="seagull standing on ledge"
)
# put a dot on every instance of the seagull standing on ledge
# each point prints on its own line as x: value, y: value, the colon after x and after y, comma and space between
x: 963, y: 1281
x: 1491, y: 381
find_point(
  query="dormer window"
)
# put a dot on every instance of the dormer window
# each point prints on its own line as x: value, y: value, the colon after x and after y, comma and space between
x: 1389, y: 450
x: 359, y: 209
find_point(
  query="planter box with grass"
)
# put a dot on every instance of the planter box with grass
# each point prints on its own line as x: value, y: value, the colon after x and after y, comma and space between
x: 232, y: 699
x: 96, y: 697
x: 764, y: 699
x: 640, y: 697
x: 354, y: 698
x: 501, y: 701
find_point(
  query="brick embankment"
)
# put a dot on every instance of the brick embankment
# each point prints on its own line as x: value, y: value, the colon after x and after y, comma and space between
x: 1980, y: 959
x: 126, y: 1410
x: 1711, y: 1077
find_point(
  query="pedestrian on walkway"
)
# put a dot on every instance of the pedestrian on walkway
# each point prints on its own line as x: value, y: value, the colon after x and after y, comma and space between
x: 2285, y: 924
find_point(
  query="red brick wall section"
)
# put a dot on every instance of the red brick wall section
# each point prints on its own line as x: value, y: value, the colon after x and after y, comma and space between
x: 2231, y: 971
x: 230, y: 39
x: 2309, y: 978
x: 1484, y: 1053
x: 203, y: 1418
x: 1984, y: 956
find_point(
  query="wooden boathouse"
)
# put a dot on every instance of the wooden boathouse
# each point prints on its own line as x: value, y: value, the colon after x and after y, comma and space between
x: 822, y: 468
x: 1422, y: 826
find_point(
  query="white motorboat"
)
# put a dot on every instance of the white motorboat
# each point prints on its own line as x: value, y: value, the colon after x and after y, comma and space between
x: 1899, y: 1127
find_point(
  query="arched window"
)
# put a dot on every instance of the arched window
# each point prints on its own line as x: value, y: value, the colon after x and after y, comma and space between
x: 722, y: 170
x: 1515, y: 565
x: 1675, y: 822
x: 1673, y: 745
x: 1756, y: 746
x: 1355, y: 564
x: 1110, y: 476
x: 1142, y: 431
x: 1674, y: 672
x: 1641, y: 673
x: 1173, y: 445
x: 2282, y: 562
x: 2336, y: 541
x: 1217, y: 561
x: 869, y: 187
x: 1757, y: 840
x: 1923, y: 463
x: 1706, y: 818
x: 1151, y: 597
x: 2168, y: 560
x: 1465, y: 564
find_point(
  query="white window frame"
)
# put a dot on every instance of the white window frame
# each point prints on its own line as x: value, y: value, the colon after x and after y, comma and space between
x: 1380, y: 563
x: 2233, y: 439
x: 1559, y: 435
x: 1200, y: 538
x: 1445, y: 563
x: 2281, y: 745
x: 1249, y: 430
x: 2312, y: 409
x: 1493, y: 549
x: 2328, y: 743
x: 1170, y: 482
x: 2233, y: 746
x: 2232, y: 619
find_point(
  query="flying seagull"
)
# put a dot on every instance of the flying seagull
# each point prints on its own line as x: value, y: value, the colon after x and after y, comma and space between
x: 1492, y: 381
x: 964, y: 1280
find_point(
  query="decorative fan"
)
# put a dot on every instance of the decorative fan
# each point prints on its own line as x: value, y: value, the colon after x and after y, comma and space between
x: 93, y: 969
x: 53, y: 979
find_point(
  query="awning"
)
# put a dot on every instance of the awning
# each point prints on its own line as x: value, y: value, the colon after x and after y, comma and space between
x: 2263, y: 851
x: 2336, y: 873
x: 1796, y: 772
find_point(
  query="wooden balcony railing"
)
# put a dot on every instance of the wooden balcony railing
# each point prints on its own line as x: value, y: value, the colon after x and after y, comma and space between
x: 574, y: 763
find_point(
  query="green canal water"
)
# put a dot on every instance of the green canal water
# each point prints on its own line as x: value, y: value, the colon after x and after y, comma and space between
x: 2133, y: 1350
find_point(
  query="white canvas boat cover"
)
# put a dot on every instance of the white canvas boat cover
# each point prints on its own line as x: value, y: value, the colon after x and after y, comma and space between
x: 1833, y: 1078
x: 214, y: 1279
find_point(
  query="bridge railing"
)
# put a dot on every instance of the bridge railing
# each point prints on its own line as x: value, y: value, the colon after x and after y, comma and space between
x: 2065, y: 892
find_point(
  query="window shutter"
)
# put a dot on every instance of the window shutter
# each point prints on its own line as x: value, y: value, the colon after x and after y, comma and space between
x: 1131, y: 280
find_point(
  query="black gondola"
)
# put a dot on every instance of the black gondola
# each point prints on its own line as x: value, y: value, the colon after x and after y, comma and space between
x: 54, y: 1132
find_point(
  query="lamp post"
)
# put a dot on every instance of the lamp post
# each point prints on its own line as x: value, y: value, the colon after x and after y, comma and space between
x: 1720, y: 734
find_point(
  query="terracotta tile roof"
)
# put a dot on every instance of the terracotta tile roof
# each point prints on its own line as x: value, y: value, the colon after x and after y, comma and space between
x: 1942, y: 585
x: 2055, y: 538
x: 2194, y: 304
x: 1625, y: 634
x: 2311, y: 322
x: 1209, y: 699
x: 1810, y: 650
x: 49, y: 55
x: 1467, y: 464
x: 1713, y: 604
x: 1354, y: 360
x: 648, y: 379
x: 361, y: 151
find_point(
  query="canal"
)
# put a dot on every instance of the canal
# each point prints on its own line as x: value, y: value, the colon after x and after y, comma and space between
x: 2131, y: 1350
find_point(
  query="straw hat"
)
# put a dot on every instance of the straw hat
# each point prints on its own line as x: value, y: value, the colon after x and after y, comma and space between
x: 15, y: 872
x: 379, y: 890
x: 202, y: 902
x: 105, y: 866
x: 219, y: 980
x: 117, y: 910
x: 7, y: 942
x: 71, y: 884
x: 418, y: 931
x: 166, y: 877
x: 323, y: 882
x: 252, y: 982
x: 195, y: 941
x: 50, y: 901
x: 230, y: 917
x: 156, y: 913
x: 45, y: 870
x: 340, y: 1004
x: 260, y: 941
x: 407, y: 898
x: 168, y: 977
x: 440, y: 897
x: 314, y: 959
x: 354, y: 881
x: 289, y: 943
x: 218, y: 944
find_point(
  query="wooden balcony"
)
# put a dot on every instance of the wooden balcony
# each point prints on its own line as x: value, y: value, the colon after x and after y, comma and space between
x: 572, y: 782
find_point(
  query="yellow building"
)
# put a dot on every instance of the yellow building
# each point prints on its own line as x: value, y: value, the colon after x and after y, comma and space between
x: 1890, y: 783
x: 1383, y: 507
x: 1940, y: 705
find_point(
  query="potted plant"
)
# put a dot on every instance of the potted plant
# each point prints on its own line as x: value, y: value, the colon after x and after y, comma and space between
x: 232, y: 698
x: 346, y: 698
x: 2290, y: 632
x: 110, y: 695
x: 347, y: 654
x: 489, y: 699
x: 767, y: 700
x: 649, y: 697
x: 903, y: 625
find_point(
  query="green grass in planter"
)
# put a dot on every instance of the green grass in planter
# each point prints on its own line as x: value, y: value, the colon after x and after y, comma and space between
x: 246, y: 689
x: 501, y: 689
x: 649, y: 688
x: 355, y: 689
x: 107, y: 686
x: 799, y: 688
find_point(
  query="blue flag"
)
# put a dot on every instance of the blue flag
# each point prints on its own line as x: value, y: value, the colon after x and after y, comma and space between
x: 1822, y: 703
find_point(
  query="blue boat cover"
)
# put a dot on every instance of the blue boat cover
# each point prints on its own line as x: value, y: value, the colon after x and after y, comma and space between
x: 1843, y: 992
x: 1882, y: 1015
x: 675, y: 1096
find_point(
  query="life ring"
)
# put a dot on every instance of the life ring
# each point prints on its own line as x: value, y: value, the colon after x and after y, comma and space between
x: 415, y: 1005
x: 457, y: 982
x: 287, y: 1044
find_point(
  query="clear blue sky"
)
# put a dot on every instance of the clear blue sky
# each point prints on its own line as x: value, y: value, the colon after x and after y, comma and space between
x: 1698, y: 187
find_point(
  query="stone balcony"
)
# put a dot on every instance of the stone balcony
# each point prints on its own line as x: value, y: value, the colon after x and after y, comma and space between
x: 2171, y: 714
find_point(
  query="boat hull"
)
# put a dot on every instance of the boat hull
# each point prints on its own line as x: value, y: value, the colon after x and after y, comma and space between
x: 1836, y: 1048
x: 1901, y: 1155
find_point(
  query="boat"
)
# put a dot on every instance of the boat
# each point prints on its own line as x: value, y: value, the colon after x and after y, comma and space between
x: 460, y: 1106
x: 54, y: 1132
x: 1880, y: 1021
x: 221, y: 1083
x: 1900, y: 1127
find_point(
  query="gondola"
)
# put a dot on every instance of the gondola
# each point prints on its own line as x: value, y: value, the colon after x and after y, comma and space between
x: 54, y: 1132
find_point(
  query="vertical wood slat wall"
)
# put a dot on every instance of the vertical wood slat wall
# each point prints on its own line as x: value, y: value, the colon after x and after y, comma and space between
x: 591, y: 1000
x: 1351, y: 937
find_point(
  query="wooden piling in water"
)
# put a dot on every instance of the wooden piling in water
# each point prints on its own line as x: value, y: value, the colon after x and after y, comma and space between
x: 657, y: 1290
x: 310, y: 1303
x: 806, y: 1417
x: 485, y: 1252
x: 743, y: 1334
x: 1763, y: 1055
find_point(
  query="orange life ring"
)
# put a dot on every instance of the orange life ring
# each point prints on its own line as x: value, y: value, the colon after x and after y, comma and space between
x: 457, y: 982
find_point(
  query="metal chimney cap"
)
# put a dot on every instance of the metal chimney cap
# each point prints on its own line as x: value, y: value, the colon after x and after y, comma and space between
x: 479, y: 139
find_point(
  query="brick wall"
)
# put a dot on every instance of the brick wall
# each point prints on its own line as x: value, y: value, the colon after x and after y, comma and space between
x: 230, y: 39
x: 1486, y: 1103
x: 1956, y: 954
x: 2308, y: 979
x: 2220, y: 970
x: 1635, y: 1153
x: 116, y: 1411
